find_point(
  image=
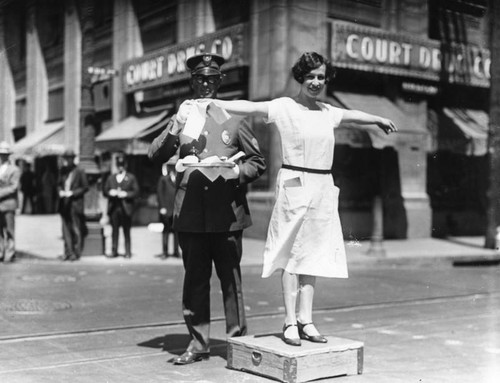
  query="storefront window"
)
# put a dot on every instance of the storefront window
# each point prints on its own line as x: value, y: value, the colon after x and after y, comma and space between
x: 50, y: 25
x: 15, y: 40
x: 103, y: 29
x: 56, y: 104
x: 157, y: 23
x: 227, y: 13
x: 459, y: 21
x: 21, y: 112
x: 367, y: 12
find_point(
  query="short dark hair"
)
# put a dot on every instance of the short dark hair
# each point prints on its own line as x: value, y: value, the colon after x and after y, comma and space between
x: 309, y: 61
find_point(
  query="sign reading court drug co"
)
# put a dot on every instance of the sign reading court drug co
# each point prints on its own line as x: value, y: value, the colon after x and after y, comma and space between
x: 169, y: 65
x: 375, y: 50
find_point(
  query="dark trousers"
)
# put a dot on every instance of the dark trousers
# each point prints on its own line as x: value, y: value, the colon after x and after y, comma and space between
x: 7, y: 235
x: 167, y: 221
x: 118, y: 218
x: 73, y: 227
x: 28, y: 206
x: 199, y: 250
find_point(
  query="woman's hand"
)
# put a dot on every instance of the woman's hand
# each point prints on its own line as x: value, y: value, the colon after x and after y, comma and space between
x: 387, y: 125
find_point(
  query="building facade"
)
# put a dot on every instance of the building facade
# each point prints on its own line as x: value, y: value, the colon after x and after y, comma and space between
x: 103, y: 77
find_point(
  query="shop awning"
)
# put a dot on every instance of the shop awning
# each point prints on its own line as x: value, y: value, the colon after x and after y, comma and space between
x: 46, y: 140
x: 127, y: 135
x: 370, y: 135
x: 464, y: 131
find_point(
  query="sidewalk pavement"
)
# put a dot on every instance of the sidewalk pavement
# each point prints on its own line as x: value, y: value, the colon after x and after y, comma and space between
x: 38, y: 237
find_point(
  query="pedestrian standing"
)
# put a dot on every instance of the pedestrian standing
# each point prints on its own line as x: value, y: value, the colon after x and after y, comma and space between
x: 9, y: 184
x: 28, y: 189
x: 211, y: 209
x: 71, y: 187
x: 304, y: 238
x: 121, y: 189
x: 166, y: 197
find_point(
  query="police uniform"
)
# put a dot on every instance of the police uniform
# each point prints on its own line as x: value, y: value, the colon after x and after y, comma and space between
x: 210, y: 215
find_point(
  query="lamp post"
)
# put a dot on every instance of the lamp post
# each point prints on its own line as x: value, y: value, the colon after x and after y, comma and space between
x: 493, y: 194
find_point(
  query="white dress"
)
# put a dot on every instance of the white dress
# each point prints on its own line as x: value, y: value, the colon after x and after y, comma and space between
x: 304, y: 234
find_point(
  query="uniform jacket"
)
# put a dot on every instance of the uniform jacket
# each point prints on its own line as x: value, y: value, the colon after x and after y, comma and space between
x: 9, y: 183
x: 220, y: 205
x: 79, y: 186
x: 128, y: 184
x: 166, y: 194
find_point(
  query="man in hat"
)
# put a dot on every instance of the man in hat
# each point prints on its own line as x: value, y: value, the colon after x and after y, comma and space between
x: 71, y: 188
x: 211, y: 209
x: 166, y: 195
x: 121, y: 189
x: 9, y: 183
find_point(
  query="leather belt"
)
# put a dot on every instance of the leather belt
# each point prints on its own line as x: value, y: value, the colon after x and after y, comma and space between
x: 307, y: 170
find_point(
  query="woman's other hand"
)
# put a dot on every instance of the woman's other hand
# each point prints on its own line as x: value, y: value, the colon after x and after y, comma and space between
x: 387, y: 126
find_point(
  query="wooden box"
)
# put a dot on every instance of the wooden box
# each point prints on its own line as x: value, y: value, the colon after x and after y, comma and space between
x: 269, y: 356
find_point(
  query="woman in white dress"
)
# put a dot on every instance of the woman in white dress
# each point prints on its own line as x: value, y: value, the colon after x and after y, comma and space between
x: 305, y: 236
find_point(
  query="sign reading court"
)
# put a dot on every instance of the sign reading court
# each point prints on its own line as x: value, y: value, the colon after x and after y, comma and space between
x: 371, y: 49
x: 169, y: 65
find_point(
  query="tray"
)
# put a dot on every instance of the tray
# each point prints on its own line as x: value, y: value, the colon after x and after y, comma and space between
x: 210, y: 165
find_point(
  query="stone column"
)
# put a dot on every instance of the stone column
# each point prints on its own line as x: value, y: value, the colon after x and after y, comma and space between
x: 37, y: 85
x: 72, y: 76
x: 195, y: 18
x: 127, y: 44
x: 8, y: 93
x: 280, y: 30
x: 412, y: 158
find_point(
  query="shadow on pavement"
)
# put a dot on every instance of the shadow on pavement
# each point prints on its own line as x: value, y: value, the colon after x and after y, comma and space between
x: 27, y: 255
x: 176, y: 344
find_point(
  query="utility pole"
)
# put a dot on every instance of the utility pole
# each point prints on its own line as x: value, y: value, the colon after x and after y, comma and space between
x: 493, y: 196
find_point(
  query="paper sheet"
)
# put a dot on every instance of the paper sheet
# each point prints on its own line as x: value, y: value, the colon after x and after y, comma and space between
x: 196, y: 120
x: 198, y: 115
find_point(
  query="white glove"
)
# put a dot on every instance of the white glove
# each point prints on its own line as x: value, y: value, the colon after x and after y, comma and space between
x: 230, y: 173
x: 179, y: 166
x: 183, y: 112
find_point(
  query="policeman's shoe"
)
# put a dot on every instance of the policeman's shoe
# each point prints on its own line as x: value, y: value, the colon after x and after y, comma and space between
x: 190, y: 357
x: 112, y: 255
x: 128, y: 255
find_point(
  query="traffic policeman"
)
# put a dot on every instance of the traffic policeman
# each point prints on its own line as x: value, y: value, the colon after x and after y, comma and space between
x: 211, y: 210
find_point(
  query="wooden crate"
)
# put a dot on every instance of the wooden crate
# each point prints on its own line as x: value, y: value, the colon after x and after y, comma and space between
x: 269, y: 356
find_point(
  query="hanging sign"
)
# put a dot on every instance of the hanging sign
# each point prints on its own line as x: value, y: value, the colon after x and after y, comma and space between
x: 375, y: 50
x: 169, y: 65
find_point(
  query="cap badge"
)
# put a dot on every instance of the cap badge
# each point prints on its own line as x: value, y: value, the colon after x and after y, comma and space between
x: 226, y: 138
x: 207, y: 59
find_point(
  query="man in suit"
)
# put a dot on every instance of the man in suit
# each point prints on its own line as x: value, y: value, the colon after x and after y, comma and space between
x: 9, y: 183
x: 166, y: 196
x: 121, y: 189
x: 211, y: 209
x: 71, y: 187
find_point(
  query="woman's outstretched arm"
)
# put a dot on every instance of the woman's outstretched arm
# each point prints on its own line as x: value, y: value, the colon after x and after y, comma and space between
x: 362, y: 118
x: 244, y: 107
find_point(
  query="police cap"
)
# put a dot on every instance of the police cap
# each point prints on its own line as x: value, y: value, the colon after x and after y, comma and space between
x: 205, y: 63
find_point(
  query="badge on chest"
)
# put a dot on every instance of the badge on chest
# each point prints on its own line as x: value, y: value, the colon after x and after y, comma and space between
x: 226, y: 137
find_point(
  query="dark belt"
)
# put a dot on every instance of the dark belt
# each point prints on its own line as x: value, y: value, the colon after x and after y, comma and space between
x: 307, y: 170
